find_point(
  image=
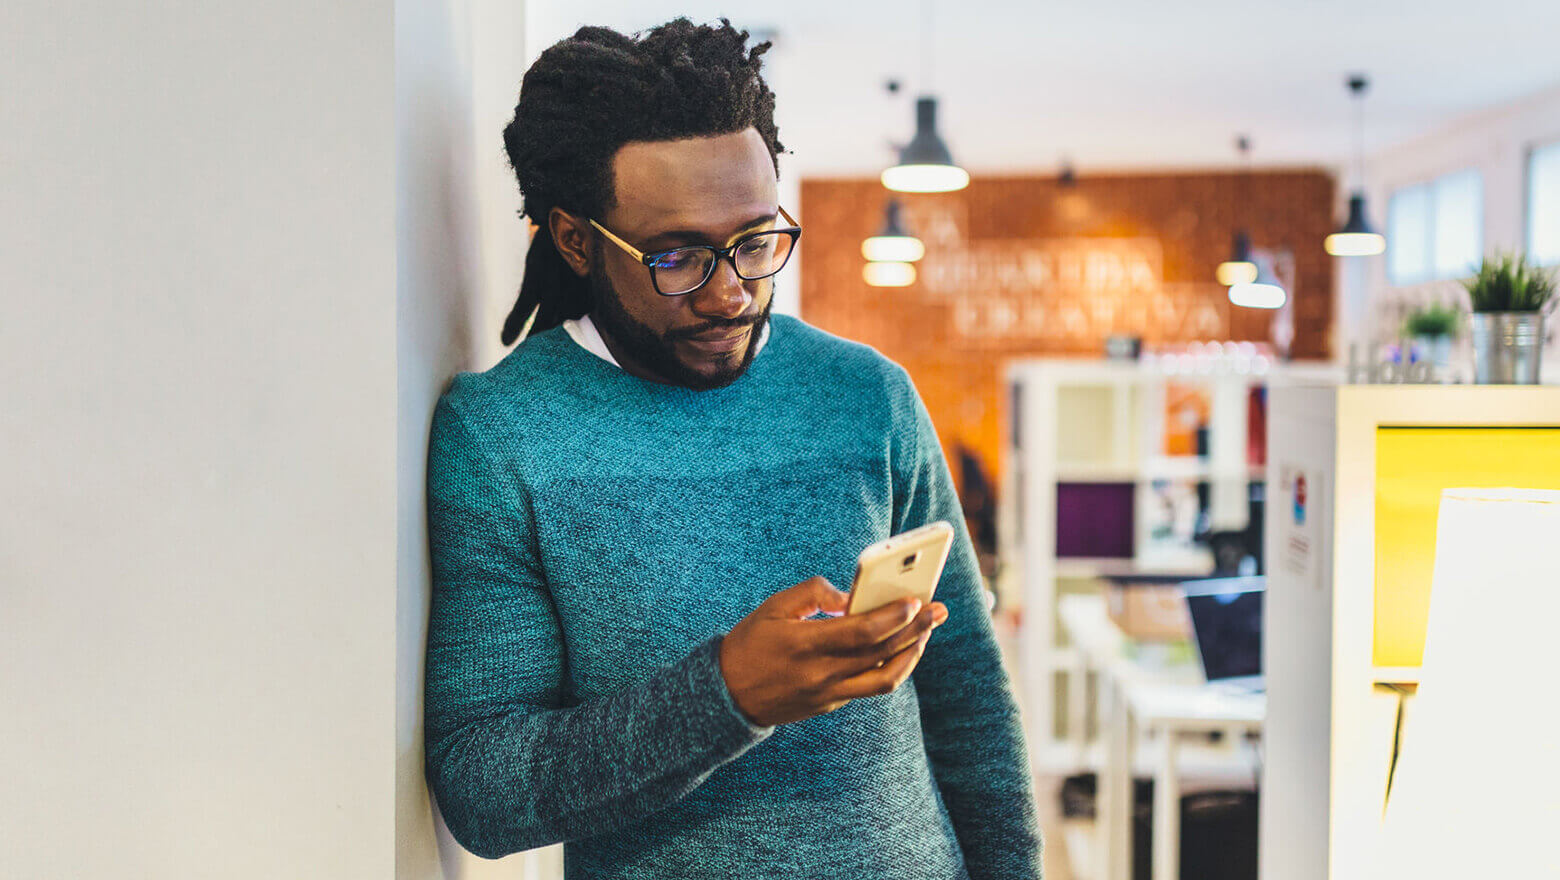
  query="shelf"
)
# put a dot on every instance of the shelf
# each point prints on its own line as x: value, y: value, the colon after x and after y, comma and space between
x: 1202, y: 766
x: 1157, y: 468
x: 1395, y: 674
x: 1195, y: 563
x: 1090, y: 472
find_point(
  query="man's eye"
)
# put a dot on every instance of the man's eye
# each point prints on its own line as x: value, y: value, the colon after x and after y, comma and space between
x: 676, y: 259
x: 755, y: 246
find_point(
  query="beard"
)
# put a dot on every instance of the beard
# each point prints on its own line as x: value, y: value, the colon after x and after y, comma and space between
x: 658, y: 353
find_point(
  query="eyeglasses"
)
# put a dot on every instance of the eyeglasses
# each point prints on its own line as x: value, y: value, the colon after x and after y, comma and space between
x: 683, y: 270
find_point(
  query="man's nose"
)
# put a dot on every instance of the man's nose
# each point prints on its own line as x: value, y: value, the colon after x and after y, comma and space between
x: 723, y: 297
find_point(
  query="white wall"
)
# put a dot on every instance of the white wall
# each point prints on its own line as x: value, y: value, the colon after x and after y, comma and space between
x: 197, y: 463
x: 1496, y: 141
x: 461, y: 248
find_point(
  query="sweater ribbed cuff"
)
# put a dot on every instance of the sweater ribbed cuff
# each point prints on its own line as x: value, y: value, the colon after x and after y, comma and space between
x: 709, y: 689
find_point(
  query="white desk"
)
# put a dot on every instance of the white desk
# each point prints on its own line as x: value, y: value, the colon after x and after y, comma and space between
x: 1140, y: 699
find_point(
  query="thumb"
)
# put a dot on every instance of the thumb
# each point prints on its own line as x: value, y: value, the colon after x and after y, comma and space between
x: 808, y: 598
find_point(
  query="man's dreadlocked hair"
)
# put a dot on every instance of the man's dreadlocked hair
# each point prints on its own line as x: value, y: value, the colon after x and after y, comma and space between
x: 590, y: 94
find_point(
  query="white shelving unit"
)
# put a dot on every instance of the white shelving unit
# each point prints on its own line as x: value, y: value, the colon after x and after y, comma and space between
x: 1102, y: 421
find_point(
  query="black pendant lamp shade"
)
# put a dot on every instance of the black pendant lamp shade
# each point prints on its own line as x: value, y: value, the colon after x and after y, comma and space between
x: 925, y: 165
x: 926, y: 148
x: 893, y: 221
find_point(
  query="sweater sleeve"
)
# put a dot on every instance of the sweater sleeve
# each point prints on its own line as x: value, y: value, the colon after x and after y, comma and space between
x: 511, y: 764
x: 970, y: 721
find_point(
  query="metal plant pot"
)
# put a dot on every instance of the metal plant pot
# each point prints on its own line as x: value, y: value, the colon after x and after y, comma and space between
x: 1435, y: 349
x: 1506, y: 347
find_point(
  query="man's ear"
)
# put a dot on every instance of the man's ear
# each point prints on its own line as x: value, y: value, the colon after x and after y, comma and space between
x: 571, y: 237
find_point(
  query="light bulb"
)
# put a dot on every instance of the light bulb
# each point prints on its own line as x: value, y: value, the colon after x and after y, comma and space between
x: 1258, y: 296
x: 1231, y: 272
x: 893, y: 249
x: 889, y: 274
x: 1355, y: 244
x: 925, y: 178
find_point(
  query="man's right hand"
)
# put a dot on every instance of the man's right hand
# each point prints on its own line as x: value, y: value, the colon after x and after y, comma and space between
x: 780, y: 667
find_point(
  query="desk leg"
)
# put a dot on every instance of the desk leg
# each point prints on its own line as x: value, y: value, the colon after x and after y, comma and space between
x: 1078, y: 708
x: 1167, y: 809
x: 1115, y: 789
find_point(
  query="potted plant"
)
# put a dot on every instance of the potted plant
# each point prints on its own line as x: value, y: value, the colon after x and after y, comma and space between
x: 1432, y: 330
x: 1508, y: 295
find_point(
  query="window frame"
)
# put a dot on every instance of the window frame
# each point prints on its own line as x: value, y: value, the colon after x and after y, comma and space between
x: 1529, y: 197
x: 1428, y: 271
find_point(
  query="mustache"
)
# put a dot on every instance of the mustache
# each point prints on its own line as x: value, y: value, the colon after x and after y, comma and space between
x: 714, y: 326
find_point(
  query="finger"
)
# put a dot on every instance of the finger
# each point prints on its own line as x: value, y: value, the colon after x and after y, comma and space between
x: 806, y: 599
x: 922, y: 625
x: 883, y: 679
x: 853, y: 634
x: 883, y: 652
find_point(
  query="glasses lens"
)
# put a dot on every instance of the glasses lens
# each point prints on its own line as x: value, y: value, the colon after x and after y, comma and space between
x: 763, y: 254
x: 681, y: 270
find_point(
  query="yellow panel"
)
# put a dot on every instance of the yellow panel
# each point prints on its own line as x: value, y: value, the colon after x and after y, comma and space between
x: 1413, y: 465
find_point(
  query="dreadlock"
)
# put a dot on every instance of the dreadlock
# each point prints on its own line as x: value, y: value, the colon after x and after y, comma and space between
x: 587, y: 96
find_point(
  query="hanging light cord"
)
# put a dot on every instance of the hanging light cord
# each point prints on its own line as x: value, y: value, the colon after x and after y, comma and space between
x: 1359, y: 141
x: 1358, y: 85
x: 926, y: 47
x: 1244, y: 143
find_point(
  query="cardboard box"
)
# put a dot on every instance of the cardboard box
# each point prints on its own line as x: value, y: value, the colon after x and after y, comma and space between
x: 1148, y: 611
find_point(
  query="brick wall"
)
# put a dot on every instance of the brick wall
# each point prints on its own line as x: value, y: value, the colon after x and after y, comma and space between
x: 1023, y: 266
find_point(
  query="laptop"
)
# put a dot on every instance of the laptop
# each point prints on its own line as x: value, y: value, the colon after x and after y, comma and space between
x: 1227, y: 627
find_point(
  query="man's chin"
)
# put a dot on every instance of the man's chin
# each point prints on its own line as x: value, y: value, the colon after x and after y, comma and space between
x: 707, y: 377
x: 705, y: 372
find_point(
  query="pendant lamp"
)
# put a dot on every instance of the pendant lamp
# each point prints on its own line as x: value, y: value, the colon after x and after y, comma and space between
x: 1262, y: 292
x: 893, y: 243
x: 1357, y: 238
x: 925, y: 165
x: 1239, y: 269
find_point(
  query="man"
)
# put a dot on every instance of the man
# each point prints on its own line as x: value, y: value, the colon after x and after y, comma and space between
x: 638, y: 516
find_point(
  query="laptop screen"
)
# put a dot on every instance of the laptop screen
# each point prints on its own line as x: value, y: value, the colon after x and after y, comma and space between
x: 1227, y: 620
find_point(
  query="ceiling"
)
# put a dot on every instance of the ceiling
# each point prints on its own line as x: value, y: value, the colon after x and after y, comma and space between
x: 1127, y: 85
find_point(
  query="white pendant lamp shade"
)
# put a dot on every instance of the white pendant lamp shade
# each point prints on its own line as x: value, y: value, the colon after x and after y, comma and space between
x: 893, y: 243
x: 925, y: 165
x: 1356, y: 238
x: 889, y: 274
x: 1262, y: 292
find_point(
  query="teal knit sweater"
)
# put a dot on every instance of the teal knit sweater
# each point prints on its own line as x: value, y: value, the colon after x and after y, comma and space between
x: 594, y: 535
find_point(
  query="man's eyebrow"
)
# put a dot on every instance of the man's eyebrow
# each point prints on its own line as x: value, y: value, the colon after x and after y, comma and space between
x: 696, y: 236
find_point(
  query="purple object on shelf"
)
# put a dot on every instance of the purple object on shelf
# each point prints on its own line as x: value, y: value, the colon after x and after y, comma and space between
x: 1094, y: 520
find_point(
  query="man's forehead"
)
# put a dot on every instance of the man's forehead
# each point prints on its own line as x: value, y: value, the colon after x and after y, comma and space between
x: 714, y: 183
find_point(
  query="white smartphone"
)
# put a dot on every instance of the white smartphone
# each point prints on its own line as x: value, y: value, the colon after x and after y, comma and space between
x: 908, y: 564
